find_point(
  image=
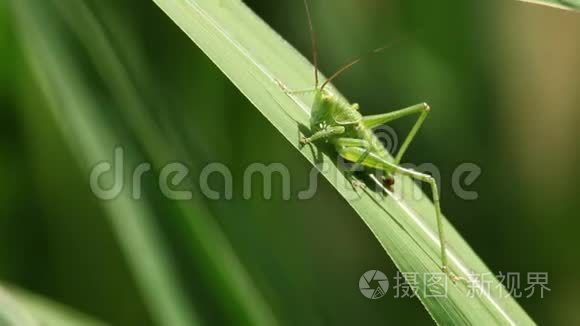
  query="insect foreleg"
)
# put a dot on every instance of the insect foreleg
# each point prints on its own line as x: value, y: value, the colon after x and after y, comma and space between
x: 301, y: 91
x: 323, y: 133
x: 373, y: 121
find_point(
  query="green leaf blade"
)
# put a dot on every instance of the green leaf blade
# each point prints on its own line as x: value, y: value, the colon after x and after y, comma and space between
x: 20, y: 307
x: 559, y: 4
x: 87, y: 127
x: 256, y: 59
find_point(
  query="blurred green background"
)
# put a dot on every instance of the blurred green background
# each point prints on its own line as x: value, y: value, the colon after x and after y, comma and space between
x: 502, y: 80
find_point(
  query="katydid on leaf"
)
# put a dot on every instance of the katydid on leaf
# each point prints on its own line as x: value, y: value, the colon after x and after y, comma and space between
x: 340, y: 123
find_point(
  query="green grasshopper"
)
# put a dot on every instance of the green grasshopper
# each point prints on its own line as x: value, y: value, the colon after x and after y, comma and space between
x: 340, y: 123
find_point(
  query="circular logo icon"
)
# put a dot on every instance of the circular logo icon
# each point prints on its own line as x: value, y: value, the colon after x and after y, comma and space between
x: 373, y: 284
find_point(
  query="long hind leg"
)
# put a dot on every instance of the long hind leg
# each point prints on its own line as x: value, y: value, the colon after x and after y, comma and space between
x: 373, y: 160
x: 422, y: 109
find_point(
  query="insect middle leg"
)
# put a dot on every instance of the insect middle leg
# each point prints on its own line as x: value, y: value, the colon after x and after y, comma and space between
x: 373, y: 121
x: 374, y: 161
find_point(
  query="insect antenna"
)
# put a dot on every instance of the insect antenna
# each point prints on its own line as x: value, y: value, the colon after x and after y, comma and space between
x: 313, y: 43
x: 354, y: 62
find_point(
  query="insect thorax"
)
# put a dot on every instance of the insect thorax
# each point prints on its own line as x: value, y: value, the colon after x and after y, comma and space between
x: 329, y: 110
